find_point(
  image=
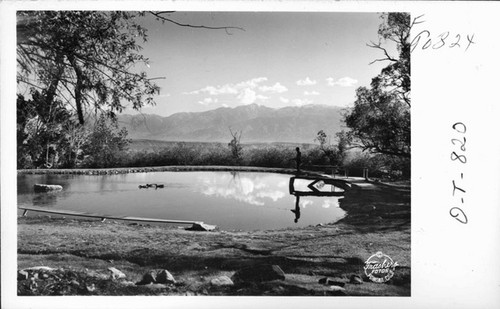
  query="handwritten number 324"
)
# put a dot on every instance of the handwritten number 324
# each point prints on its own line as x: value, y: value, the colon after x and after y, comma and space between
x: 440, y: 41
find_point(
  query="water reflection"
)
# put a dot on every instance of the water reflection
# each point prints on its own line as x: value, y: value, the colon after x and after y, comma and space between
x: 251, y: 189
x: 45, y: 198
x: 296, y: 211
x: 238, y: 200
x: 315, y: 186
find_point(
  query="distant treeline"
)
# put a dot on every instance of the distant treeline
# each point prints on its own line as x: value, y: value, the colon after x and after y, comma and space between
x: 270, y: 155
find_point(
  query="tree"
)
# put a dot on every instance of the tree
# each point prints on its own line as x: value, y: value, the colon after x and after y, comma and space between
x: 84, y: 58
x: 75, y: 138
x: 235, y: 146
x: 39, y: 127
x: 106, y: 144
x: 380, y: 119
x: 334, y: 153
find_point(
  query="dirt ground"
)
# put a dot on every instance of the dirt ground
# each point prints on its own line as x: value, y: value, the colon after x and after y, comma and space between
x: 78, y: 253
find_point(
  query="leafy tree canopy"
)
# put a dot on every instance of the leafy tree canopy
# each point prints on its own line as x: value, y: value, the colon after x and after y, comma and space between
x: 380, y: 118
x: 84, y: 58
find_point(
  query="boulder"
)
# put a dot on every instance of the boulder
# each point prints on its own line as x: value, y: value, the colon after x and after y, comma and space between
x: 116, y: 274
x: 44, y: 276
x: 91, y: 287
x: 221, y: 281
x: 46, y: 188
x: 200, y: 226
x: 22, y: 275
x: 164, y: 276
x: 328, y: 281
x: 259, y: 273
x: 356, y: 279
x: 147, y: 278
x: 337, y: 290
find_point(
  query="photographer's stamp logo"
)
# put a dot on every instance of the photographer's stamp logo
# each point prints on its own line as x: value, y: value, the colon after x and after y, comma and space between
x: 380, y: 267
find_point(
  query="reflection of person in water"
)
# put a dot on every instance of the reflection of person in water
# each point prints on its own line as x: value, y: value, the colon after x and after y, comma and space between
x: 296, y: 211
x: 298, y: 159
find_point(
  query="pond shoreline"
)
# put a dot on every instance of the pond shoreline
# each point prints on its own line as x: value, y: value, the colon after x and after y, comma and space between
x: 172, y: 168
x: 378, y: 220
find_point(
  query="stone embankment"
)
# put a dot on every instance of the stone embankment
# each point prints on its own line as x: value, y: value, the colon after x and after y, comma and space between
x: 176, y: 168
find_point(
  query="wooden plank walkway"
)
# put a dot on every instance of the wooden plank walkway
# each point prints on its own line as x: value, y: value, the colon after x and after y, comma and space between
x: 103, y: 217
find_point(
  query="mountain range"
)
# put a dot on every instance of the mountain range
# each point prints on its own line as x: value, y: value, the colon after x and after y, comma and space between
x: 258, y: 124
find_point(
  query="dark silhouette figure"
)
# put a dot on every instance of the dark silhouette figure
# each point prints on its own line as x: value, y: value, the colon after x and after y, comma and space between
x: 298, y: 159
x: 296, y: 211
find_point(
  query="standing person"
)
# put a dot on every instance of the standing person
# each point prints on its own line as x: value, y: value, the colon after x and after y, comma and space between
x: 298, y: 159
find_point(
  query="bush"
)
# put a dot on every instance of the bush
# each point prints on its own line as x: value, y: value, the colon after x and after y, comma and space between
x: 270, y: 156
x: 379, y: 166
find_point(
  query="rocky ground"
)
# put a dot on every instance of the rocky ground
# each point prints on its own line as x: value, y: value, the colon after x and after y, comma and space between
x: 65, y: 256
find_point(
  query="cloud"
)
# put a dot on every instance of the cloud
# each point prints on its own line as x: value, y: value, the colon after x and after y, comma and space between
x: 300, y: 102
x: 330, y: 203
x: 277, y: 88
x: 306, y: 82
x: 252, y: 83
x: 304, y: 203
x: 342, y: 82
x: 284, y: 100
x: 311, y: 93
x: 208, y: 101
x: 165, y: 95
x: 211, y: 90
x: 246, y: 91
x: 249, y: 96
x: 273, y: 195
x: 230, y: 88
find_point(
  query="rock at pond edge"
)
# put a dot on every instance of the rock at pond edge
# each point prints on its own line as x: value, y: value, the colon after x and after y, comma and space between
x: 44, y: 187
x: 200, y: 226
x: 259, y: 273
x: 116, y: 274
x: 221, y: 281
x: 164, y: 276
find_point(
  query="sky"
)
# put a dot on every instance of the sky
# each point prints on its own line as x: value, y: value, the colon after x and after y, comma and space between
x: 280, y: 59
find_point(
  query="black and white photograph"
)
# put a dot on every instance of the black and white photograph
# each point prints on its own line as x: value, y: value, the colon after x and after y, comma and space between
x: 178, y: 154
x: 213, y: 153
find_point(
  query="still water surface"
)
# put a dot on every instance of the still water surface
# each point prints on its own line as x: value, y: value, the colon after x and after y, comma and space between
x: 230, y: 200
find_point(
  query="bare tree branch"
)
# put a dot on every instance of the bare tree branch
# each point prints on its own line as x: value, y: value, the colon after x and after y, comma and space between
x: 165, y: 19
x: 378, y: 46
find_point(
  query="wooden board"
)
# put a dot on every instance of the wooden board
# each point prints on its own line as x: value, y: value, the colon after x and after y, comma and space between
x: 93, y: 215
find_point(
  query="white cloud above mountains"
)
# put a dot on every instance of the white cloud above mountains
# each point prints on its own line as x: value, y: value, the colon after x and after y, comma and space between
x: 284, y: 100
x: 208, y: 101
x: 300, y: 102
x: 276, y: 88
x: 306, y: 82
x: 258, y: 89
x: 246, y: 92
x: 249, y: 96
x: 342, y: 82
x: 310, y: 93
x: 230, y: 88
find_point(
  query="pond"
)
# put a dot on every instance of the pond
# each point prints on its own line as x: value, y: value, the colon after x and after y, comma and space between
x: 230, y: 200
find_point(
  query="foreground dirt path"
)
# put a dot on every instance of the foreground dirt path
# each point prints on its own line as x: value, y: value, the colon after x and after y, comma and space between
x: 80, y: 253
